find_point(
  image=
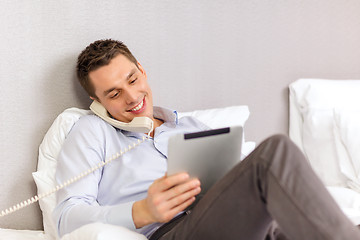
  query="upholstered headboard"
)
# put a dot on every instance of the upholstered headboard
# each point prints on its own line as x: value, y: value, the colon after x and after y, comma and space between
x: 197, y: 54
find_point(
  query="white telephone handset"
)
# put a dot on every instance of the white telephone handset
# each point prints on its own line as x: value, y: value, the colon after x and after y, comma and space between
x: 138, y: 124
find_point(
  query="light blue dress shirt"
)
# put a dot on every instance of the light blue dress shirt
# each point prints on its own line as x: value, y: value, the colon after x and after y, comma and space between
x: 107, y: 195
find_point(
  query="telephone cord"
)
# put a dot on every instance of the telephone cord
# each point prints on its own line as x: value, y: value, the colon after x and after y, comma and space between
x: 73, y: 179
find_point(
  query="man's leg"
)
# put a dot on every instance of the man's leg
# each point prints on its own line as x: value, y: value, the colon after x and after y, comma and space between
x: 274, y: 182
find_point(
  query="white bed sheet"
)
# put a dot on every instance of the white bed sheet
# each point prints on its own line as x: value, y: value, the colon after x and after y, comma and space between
x: 11, y: 234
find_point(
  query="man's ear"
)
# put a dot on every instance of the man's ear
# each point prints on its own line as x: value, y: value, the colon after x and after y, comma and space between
x: 94, y: 99
x: 142, y: 70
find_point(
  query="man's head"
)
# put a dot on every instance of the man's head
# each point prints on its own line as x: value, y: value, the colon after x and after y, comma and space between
x: 96, y: 55
x: 111, y: 75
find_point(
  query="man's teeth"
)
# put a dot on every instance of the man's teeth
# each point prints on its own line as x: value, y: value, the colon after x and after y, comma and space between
x: 138, y: 107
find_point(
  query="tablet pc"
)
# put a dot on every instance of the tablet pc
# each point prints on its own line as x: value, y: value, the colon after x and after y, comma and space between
x: 207, y: 155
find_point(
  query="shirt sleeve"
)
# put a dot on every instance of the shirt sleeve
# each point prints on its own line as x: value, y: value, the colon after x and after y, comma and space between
x: 77, y: 203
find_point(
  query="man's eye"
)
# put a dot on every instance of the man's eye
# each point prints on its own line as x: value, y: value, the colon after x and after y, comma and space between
x: 114, y: 95
x: 133, y: 81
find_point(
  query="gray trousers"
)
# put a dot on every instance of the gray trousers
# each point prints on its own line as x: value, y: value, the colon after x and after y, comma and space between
x: 275, y: 182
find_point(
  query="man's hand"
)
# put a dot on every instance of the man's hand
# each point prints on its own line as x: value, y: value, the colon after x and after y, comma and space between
x: 167, y: 196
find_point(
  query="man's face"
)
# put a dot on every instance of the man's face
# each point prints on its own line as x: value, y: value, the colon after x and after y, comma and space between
x: 122, y: 89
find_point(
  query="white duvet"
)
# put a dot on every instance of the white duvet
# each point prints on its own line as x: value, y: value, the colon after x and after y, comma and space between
x: 10, y: 234
x: 95, y: 231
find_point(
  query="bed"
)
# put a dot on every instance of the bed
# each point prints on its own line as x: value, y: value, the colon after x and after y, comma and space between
x: 323, y: 126
x: 199, y: 55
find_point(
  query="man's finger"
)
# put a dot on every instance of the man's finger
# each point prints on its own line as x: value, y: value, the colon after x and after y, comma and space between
x: 181, y: 207
x: 182, y: 188
x: 180, y: 199
x: 168, y: 182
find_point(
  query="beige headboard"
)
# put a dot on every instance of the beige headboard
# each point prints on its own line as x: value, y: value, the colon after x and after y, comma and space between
x: 197, y: 54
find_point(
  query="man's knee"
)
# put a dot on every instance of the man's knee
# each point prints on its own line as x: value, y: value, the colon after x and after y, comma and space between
x: 279, y: 146
x: 281, y: 151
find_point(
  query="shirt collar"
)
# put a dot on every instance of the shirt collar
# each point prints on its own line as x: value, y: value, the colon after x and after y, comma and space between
x: 165, y: 114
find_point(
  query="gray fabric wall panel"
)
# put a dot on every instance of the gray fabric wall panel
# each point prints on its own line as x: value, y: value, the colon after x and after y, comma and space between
x: 197, y: 54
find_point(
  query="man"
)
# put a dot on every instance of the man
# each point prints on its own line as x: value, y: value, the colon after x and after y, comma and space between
x: 273, y: 183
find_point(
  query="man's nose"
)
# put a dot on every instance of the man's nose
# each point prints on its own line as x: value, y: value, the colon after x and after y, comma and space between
x: 131, y: 97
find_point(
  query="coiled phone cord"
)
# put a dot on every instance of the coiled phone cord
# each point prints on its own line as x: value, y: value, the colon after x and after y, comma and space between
x: 73, y: 179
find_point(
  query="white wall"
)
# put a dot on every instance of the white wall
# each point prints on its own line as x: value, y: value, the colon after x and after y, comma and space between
x: 198, y: 54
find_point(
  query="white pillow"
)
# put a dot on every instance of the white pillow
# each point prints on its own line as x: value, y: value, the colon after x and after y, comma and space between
x: 313, y: 127
x: 220, y: 117
x: 347, y: 131
x: 224, y: 117
x: 54, y: 138
x: 319, y: 146
x: 321, y: 94
x: 311, y: 122
x: 48, y: 152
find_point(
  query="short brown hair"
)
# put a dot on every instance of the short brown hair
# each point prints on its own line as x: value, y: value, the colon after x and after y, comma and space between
x: 96, y: 55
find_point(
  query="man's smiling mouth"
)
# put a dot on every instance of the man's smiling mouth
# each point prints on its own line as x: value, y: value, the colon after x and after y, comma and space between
x: 138, y: 107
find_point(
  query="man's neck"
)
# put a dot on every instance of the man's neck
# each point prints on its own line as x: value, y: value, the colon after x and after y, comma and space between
x: 157, y: 123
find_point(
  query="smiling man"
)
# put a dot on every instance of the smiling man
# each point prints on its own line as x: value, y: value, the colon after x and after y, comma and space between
x: 274, y: 182
x: 118, y: 193
x: 129, y: 83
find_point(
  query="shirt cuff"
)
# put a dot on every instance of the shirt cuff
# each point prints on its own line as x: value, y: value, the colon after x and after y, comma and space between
x: 121, y: 215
